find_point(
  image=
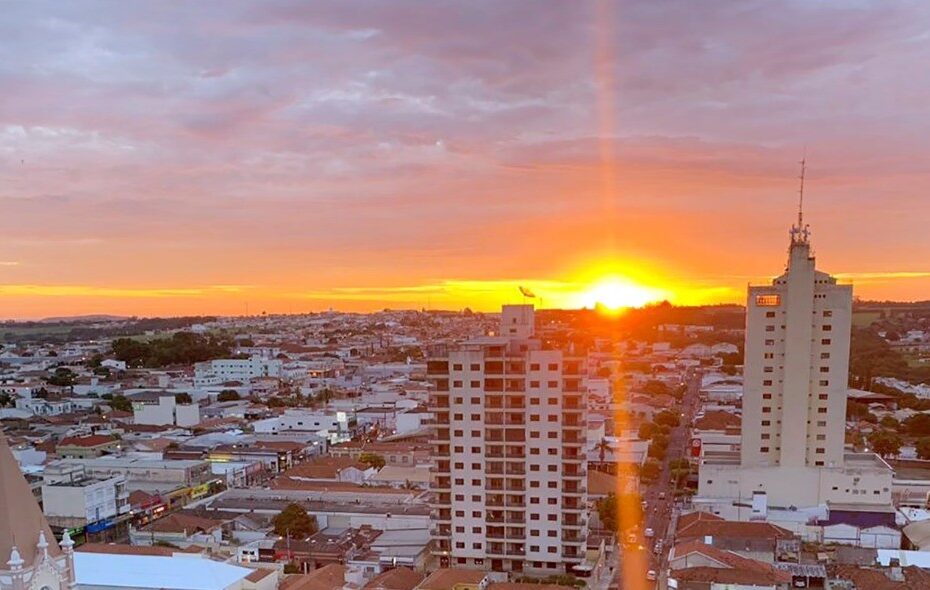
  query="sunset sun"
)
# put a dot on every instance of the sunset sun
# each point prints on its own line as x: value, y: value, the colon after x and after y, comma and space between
x: 617, y: 293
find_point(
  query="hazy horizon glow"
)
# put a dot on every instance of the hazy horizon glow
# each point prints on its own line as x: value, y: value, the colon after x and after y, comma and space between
x: 198, y: 158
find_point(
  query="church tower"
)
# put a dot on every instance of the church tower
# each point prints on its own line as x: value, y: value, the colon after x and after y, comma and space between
x: 30, y: 557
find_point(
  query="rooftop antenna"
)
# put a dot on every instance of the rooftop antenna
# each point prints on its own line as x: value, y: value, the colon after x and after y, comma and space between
x: 801, y: 193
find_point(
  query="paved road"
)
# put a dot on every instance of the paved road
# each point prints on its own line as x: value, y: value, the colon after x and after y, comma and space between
x: 659, y: 511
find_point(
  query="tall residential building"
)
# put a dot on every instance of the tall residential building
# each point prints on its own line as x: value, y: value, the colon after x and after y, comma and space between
x: 792, y: 465
x: 509, y: 469
x: 796, y: 365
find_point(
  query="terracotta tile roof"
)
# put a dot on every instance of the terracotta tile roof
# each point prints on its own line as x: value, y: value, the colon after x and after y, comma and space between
x: 285, y: 483
x: 871, y: 579
x: 323, y: 468
x: 734, y: 568
x: 686, y: 520
x: 117, y: 549
x: 527, y: 586
x: 700, y: 528
x: 400, y: 578
x: 447, y: 578
x: 717, y: 420
x: 181, y: 522
x: 259, y: 574
x: 329, y: 577
x: 600, y: 483
x: 94, y: 440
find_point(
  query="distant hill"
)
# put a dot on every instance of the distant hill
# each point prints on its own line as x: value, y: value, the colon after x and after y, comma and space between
x: 84, y: 318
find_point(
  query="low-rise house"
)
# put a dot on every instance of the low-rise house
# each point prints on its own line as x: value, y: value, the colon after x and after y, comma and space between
x: 696, y: 566
x: 753, y: 539
x: 85, y: 447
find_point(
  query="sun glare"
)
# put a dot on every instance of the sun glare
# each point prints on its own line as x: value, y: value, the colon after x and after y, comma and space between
x: 616, y: 293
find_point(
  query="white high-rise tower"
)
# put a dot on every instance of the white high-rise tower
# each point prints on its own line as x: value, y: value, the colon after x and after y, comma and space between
x: 792, y: 464
x: 797, y: 361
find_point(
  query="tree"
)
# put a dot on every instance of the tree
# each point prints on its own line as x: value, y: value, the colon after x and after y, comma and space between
x: 120, y: 402
x: 655, y: 387
x: 889, y: 422
x: 372, y: 460
x: 917, y: 425
x: 647, y: 430
x: 923, y: 448
x: 650, y: 470
x: 607, y: 512
x: 886, y: 444
x: 62, y: 377
x: 667, y: 417
x: 294, y: 522
x: 228, y: 395
x: 183, y: 398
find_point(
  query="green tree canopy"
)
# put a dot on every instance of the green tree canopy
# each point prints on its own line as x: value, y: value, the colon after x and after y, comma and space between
x: 294, y: 522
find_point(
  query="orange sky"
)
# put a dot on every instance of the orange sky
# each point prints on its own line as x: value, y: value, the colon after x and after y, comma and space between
x: 160, y: 160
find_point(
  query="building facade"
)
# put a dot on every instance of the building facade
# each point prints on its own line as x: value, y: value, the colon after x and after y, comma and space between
x: 797, y: 365
x: 509, y: 468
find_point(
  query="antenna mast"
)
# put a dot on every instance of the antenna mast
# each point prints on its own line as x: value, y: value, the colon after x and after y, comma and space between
x: 801, y: 194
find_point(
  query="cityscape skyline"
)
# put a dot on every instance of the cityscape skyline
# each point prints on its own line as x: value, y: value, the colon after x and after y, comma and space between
x: 167, y: 160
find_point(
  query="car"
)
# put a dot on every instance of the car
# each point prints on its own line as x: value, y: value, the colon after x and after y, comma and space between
x: 651, y: 575
x: 649, y: 533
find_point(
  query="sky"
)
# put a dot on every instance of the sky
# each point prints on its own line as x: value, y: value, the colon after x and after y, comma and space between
x: 229, y: 157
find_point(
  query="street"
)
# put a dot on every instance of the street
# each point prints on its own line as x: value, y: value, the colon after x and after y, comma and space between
x: 660, y: 495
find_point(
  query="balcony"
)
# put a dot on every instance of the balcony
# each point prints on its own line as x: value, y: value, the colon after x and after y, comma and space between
x: 439, y: 401
x: 442, y: 483
x: 494, y: 367
x: 440, y: 467
x: 515, y: 518
x: 515, y: 503
x: 516, y: 488
x: 572, y: 553
x: 495, y: 549
x: 573, y: 521
x: 516, y: 453
x: 571, y: 386
x: 495, y: 518
x: 441, y: 384
x: 441, y: 545
x: 493, y: 385
x: 494, y: 352
x: 515, y: 469
x: 496, y: 533
x: 574, y: 472
x: 568, y: 505
x: 573, y: 368
x: 494, y: 453
x: 494, y: 419
x: 516, y: 368
x: 514, y: 535
x: 517, y: 385
x: 516, y: 552
x: 572, y: 537
x: 494, y: 501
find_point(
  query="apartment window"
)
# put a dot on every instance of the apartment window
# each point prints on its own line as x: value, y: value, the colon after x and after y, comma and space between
x: 552, y: 384
x: 460, y: 497
x: 825, y: 342
x: 534, y: 417
x: 552, y: 484
x: 818, y: 463
x: 821, y: 423
x: 766, y: 423
x: 475, y: 383
x: 476, y: 466
x: 552, y: 451
x: 824, y: 383
x: 476, y: 545
x: 552, y: 550
x: 823, y: 396
x: 534, y: 484
x: 534, y: 366
x: 766, y: 410
x: 770, y: 328
x: 821, y: 410
x: 553, y: 366
x: 473, y: 450
x: 767, y: 382
x: 459, y: 481
x: 821, y: 437
x: 460, y: 514
x: 763, y: 449
x: 766, y: 396
x: 827, y: 313
x: 770, y: 314
x: 476, y: 433
x: 553, y: 435
x: 457, y: 416
x: 824, y: 369
x: 459, y: 544
x: 552, y: 468
x: 534, y: 516
x: 476, y: 498
x: 824, y: 355
x: 820, y: 450
x: 476, y: 529
x: 766, y: 436
x: 475, y: 367
x: 827, y: 327
x: 476, y: 400
x: 768, y: 300
x: 460, y: 529
x: 534, y: 500
x: 534, y: 451
x: 534, y: 401
x: 534, y: 467
x: 552, y: 401
x: 553, y: 418
x: 534, y: 434
x: 460, y: 466
x: 770, y: 343
x: 476, y: 514
x: 768, y: 369
x: 457, y: 383
x: 552, y: 517
x: 769, y: 355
